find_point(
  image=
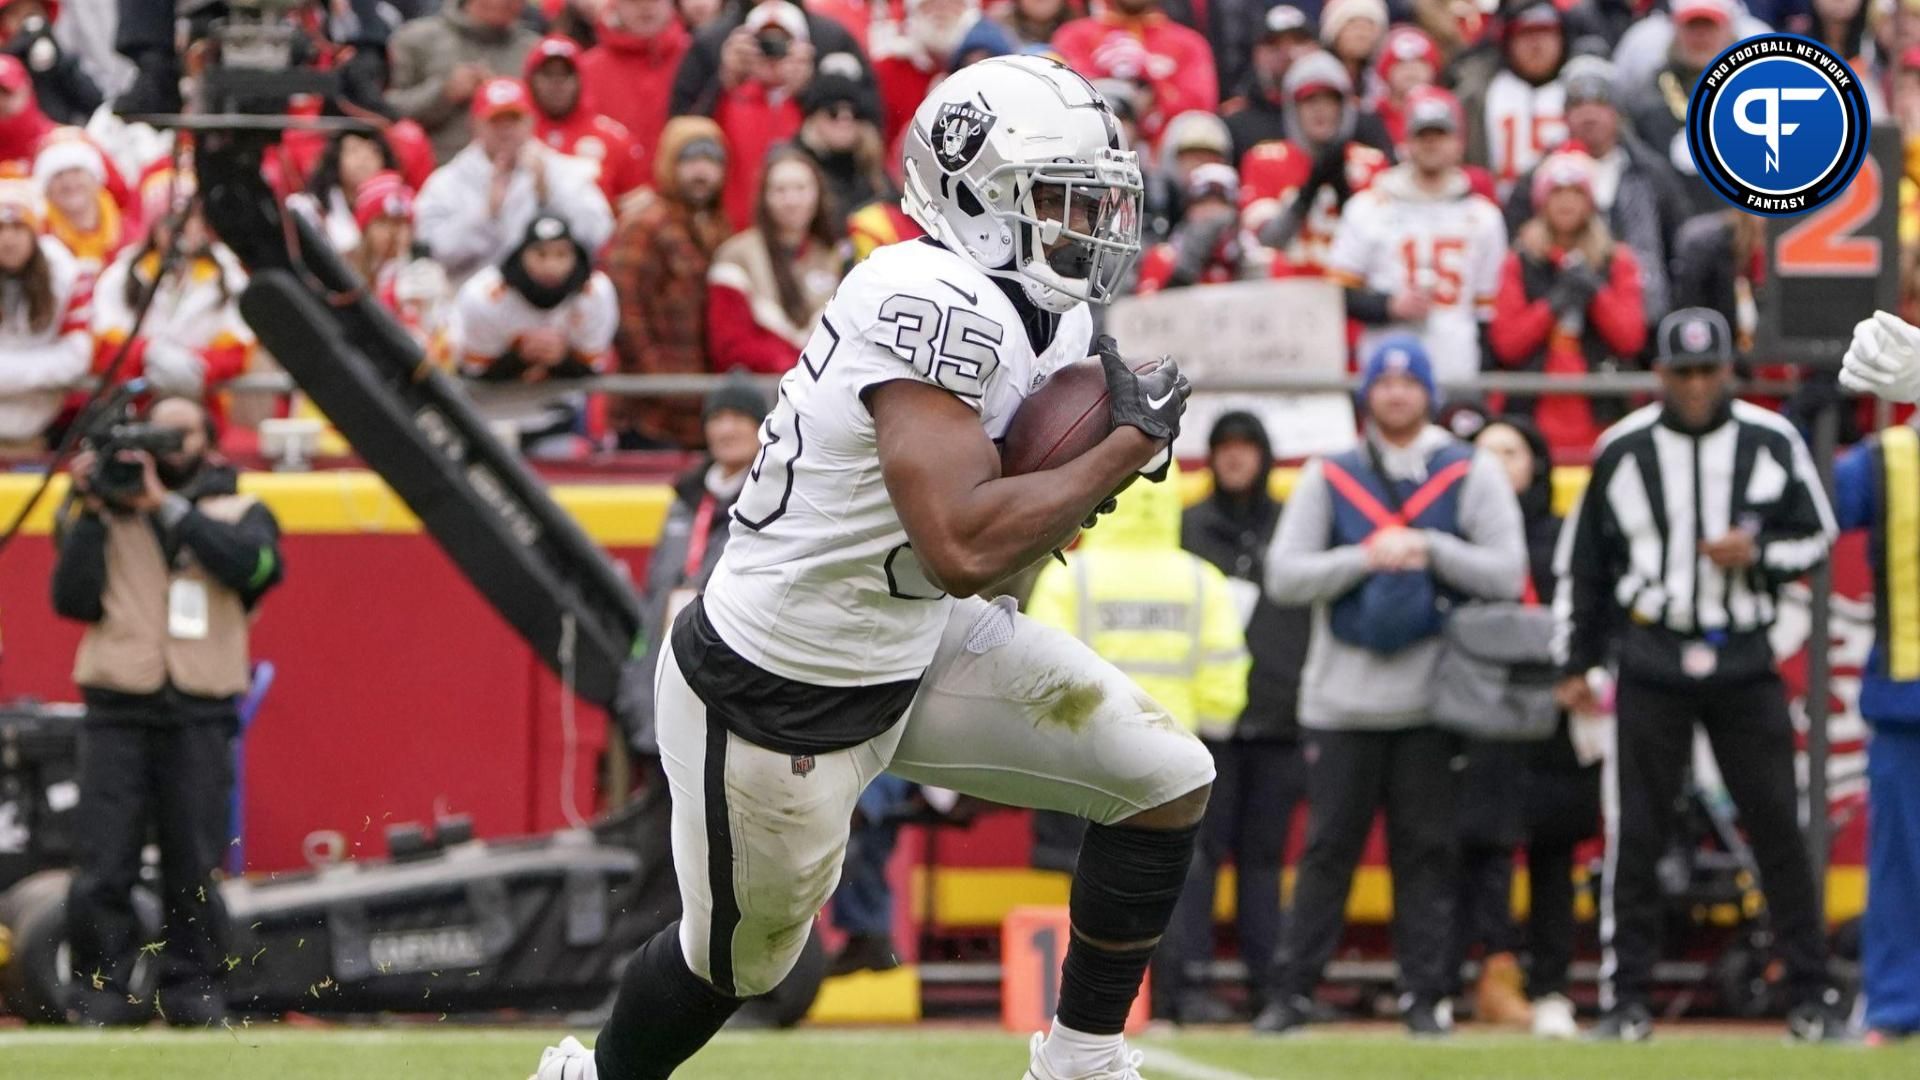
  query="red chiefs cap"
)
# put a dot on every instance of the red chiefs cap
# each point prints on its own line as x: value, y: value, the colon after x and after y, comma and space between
x: 551, y: 47
x: 384, y: 194
x: 498, y: 97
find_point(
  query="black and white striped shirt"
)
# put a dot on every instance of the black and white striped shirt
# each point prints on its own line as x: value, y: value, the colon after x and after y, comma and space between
x: 1633, y: 584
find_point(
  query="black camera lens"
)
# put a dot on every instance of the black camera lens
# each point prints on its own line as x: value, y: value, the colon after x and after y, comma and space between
x: 774, y: 46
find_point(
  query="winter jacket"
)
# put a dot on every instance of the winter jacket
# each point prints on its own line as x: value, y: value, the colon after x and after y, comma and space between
x: 1231, y: 27
x: 66, y: 93
x: 1234, y: 256
x: 1645, y: 47
x: 20, y: 135
x: 1648, y: 208
x: 746, y: 326
x: 1537, y: 327
x: 1274, y: 176
x: 903, y: 72
x: 1656, y: 110
x: 489, y: 319
x: 756, y: 118
x: 193, y: 336
x: 424, y: 52
x: 38, y: 366
x: 691, y: 540
x: 97, y: 246
x: 600, y: 142
x: 453, y: 220
x: 658, y: 262
x: 1346, y: 686
x: 1233, y: 533
x: 849, y: 187
x: 631, y: 78
x: 1174, y: 61
x: 1258, y: 114
x: 1705, y: 275
x: 696, y: 85
x: 1163, y: 616
x: 1536, y: 512
x: 588, y: 134
x: 1874, y: 485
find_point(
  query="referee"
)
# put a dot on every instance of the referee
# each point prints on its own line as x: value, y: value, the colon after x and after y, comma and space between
x: 1699, y: 509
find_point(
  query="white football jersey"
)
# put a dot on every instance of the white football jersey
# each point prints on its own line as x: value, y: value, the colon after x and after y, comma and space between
x: 1523, y: 122
x: 1392, y: 240
x: 818, y: 583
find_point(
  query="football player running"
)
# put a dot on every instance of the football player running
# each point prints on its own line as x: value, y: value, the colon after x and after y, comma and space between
x: 841, y: 635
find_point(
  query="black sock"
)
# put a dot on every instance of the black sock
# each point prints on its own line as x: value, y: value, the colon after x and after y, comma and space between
x: 1124, y: 890
x: 662, y: 1016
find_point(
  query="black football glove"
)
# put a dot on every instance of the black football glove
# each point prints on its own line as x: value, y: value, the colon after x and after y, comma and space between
x: 1152, y: 401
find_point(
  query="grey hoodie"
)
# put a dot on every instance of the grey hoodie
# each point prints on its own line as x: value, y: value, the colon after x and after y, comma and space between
x: 1346, y: 687
x: 425, y: 51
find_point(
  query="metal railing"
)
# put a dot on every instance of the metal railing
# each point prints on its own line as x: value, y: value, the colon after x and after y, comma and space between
x: 1519, y: 383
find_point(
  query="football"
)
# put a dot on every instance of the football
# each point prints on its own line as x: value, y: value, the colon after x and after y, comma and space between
x: 1065, y: 418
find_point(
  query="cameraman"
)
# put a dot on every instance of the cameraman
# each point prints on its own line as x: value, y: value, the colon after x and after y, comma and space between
x: 167, y: 573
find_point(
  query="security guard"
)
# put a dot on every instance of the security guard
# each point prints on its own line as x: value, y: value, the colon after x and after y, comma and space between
x: 1165, y: 617
x: 167, y: 579
x: 1877, y: 487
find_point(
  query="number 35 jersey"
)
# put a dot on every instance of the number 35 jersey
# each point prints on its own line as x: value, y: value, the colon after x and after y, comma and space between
x: 818, y: 583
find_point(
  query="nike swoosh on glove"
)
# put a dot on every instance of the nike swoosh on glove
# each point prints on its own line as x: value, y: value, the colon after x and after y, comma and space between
x: 1884, y: 359
x: 1152, y: 401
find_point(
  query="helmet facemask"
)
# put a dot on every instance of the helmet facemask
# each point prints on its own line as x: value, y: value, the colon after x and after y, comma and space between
x: 1076, y: 228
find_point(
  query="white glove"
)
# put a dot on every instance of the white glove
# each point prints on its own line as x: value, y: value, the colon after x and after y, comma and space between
x: 1884, y: 359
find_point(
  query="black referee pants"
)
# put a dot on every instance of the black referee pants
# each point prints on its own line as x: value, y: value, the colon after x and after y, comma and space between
x: 1751, y: 732
x: 1350, y: 775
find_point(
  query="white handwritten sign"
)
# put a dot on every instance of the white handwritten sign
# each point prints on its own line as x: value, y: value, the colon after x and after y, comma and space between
x: 1244, y: 330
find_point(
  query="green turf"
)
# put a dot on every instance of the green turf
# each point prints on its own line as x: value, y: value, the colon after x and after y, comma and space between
x: 430, y: 1053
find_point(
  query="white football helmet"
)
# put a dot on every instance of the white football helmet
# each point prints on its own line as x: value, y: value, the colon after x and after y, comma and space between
x: 1018, y: 165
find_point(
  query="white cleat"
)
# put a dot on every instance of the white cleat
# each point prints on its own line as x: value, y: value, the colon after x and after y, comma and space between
x: 1553, y: 1018
x: 1124, y: 1066
x: 568, y: 1061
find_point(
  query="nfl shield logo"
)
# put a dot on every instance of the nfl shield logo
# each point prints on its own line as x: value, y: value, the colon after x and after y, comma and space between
x: 802, y: 764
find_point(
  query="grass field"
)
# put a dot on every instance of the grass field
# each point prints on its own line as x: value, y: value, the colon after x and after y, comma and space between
x: 436, y: 1053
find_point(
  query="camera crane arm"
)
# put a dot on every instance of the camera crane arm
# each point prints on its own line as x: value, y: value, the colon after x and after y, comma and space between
x: 411, y: 423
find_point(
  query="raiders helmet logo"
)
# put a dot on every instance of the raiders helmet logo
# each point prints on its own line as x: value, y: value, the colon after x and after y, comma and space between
x: 959, y: 132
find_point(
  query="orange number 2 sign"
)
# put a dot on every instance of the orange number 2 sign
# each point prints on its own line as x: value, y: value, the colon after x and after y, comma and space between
x: 1825, y: 244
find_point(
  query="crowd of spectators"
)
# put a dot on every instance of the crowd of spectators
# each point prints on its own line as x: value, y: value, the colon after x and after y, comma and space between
x: 550, y: 189
x: 1512, y: 186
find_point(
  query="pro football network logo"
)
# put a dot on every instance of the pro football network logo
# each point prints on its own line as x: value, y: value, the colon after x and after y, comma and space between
x: 1778, y: 124
x: 959, y: 133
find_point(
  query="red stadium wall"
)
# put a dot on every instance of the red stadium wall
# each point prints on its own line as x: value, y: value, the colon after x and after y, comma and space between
x: 400, y: 694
